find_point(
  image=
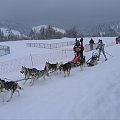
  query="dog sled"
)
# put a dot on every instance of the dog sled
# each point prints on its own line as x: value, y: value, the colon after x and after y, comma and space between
x: 77, y: 61
x: 93, y: 60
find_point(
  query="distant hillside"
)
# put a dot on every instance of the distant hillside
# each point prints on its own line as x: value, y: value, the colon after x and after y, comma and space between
x: 10, y: 31
x: 109, y: 29
x: 46, y: 32
x: 10, y: 34
x: 38, y: 28
x: 7, y: 32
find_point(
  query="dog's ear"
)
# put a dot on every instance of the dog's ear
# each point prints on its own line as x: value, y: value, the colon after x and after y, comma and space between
x: 61, y: 65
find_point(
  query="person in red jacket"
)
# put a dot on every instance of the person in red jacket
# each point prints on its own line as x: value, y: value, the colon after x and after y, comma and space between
x: 78, y: 49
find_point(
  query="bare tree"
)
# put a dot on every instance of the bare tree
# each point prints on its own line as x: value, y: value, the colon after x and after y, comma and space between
x: 72, y: 32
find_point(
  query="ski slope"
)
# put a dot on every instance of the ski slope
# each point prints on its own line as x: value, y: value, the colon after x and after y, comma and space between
x: 93, y: 93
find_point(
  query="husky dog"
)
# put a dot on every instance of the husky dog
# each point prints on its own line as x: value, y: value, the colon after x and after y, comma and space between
x: 82, y: 63
x: 52, y: 67
x: 27, y: 72
x: 9, y: 86
x: 66, y: 68
x: 38, y: 74
x: 1, y: 85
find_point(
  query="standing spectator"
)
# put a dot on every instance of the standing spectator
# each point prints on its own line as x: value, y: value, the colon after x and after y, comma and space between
x: 101, y: 49
x: 82, y: 47
x: 118, y: 40
x: 81, y: 40
x: 76, y: 41
x: 91, y: 42
x: 81, y: 50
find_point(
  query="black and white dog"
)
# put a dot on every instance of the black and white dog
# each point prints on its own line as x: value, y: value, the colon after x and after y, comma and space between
x: 52, y: 67
x: 27, y: 72
x: 9, y: 86
x: 66, y: 68
x: 82, y: 63
x: 38, y: 74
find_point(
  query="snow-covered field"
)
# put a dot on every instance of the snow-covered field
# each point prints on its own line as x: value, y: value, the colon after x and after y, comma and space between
x: 93, y: 93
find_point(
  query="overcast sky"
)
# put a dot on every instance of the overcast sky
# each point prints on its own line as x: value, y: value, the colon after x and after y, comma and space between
x: 63, y: 13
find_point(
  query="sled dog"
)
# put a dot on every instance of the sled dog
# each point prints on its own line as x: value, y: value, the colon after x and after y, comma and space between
x: 52, y: 67
x: 66, y: 68
x: 27, y: 72
x: 38, y: 74
x: 9, y: 86
x: 82, y: 63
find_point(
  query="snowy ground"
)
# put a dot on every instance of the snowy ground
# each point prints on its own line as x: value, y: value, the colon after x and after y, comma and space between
x: 93, y: 93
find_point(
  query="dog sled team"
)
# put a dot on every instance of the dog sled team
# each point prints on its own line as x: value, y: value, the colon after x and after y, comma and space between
x: 79, y: 60
x: 34, y: 74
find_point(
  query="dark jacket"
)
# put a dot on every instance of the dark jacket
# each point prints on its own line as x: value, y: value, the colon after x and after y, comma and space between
x: 81, y: 41
x: 91, y: 41
x: 100, y: 46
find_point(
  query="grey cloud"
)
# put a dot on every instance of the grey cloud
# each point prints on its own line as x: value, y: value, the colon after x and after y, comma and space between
x: 59, y: 12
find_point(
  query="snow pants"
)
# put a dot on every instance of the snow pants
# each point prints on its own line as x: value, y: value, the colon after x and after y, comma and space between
x: 103, y: 53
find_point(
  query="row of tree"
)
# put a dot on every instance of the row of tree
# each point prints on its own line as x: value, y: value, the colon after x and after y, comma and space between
x: 107, y: 30
x: 11, y: 36
x: 49, y: 32
x: 43, y: 34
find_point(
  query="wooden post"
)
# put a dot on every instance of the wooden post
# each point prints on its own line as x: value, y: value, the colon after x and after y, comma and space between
x: 31, y: 59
